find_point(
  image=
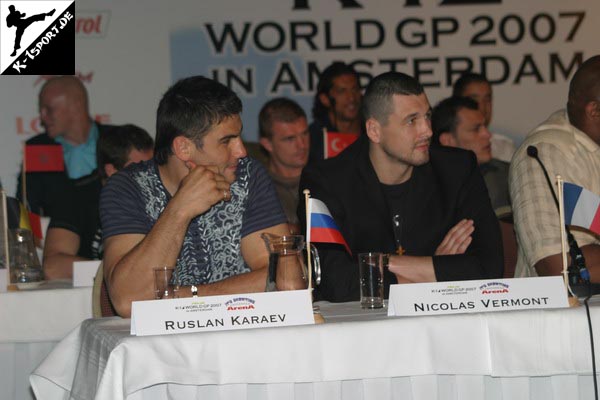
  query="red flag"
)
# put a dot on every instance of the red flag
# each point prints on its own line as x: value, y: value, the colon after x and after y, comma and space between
x: 44, y: 158
x: 36, y: 225
x: 336, y: 142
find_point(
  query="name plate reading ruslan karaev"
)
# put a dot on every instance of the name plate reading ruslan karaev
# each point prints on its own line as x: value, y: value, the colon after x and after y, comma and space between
x: 216, y: 313
x: 477, y: 296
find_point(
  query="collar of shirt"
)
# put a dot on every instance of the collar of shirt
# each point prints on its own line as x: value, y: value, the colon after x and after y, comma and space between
x: 80, y: 160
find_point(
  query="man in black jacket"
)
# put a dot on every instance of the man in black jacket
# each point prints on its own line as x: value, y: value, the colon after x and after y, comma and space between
x: 390, y: 192
x: 74, y: 233
x: 64, y: 112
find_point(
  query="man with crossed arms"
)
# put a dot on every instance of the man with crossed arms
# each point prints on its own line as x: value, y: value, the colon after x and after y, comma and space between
x: 390, y: 192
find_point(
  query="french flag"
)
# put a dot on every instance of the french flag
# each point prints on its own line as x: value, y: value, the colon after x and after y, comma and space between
x: 581, y: 207
x: 321, y: 227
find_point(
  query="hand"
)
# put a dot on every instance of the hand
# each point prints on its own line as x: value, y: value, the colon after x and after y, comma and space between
x: 457, y: 240
x: 201, y: 189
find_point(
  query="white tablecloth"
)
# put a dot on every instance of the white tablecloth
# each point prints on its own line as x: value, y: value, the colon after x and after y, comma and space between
x: 538, y: 354
x: 32, y: 322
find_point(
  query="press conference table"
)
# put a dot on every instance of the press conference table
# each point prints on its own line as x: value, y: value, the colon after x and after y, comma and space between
x: 32, y: 322
x: 356, y: 354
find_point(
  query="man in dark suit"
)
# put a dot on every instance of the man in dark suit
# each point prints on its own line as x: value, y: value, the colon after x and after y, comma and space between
x: 390, y: 192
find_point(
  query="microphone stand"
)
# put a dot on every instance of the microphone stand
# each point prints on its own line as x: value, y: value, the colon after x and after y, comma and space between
x: 578, y: 272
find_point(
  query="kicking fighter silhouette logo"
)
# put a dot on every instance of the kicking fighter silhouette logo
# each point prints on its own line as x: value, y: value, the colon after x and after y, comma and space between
x: 18, y: 20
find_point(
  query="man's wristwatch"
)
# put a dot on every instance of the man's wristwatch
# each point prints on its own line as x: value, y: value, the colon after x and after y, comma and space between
x: 194, y: 291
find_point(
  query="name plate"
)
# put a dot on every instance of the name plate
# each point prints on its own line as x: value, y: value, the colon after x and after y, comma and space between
x: 218, y: 313
x: 477, y: 296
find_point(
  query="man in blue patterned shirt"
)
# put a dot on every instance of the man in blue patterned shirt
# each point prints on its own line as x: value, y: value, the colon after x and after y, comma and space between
x: 201, y: 204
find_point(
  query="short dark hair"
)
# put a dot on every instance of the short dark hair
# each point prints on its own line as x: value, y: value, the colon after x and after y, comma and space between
x: 465, y: 80
x: 325, y: 84
x: 280, y: 109
x: 114, y: 145
x: 377, y: 101
x: 444, y: 117
x: 190, y: 108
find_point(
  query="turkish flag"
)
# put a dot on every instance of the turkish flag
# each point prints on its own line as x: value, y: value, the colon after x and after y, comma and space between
x: 336, y: 142
x: 44, y: 158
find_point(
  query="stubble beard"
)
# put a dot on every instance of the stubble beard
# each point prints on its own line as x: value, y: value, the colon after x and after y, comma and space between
x: 410, y: 161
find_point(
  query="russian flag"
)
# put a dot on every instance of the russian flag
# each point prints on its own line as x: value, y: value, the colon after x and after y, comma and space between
x: 321, y: 227
x: 581, y: 207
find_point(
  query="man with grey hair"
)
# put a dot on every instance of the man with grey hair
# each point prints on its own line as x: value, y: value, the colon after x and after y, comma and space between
x: 390, y: 192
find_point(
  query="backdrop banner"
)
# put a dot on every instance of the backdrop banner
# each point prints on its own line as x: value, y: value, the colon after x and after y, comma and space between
x: 128, y: 54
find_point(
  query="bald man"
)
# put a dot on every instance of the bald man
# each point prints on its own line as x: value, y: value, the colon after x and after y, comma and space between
x: 568, y: 144
x: 63, y: 106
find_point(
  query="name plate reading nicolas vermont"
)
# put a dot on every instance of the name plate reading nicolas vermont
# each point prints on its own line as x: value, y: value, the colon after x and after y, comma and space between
x: 477, y: 296
x: 217, y: 313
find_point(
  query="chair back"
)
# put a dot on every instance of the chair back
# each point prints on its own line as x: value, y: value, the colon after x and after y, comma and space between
x: 509, y: 244
x: 101, y: 305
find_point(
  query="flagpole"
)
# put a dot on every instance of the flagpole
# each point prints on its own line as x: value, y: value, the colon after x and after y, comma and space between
x: 325, y: 155
x: 308, y: 252
x: 563, y: 244
x: 23, y: 176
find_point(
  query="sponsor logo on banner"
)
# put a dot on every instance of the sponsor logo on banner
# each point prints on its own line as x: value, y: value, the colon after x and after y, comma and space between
x: 28, y: 125
x: 351, y: 4
x: 38, y: 37
x: 92, y: 24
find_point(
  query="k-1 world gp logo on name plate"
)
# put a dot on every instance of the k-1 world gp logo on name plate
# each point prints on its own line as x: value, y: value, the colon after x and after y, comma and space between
x: 37, y: 37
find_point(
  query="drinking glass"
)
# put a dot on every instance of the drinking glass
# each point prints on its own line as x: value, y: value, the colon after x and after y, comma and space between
x: 166, y: 283
x: 25, y: 267
x: 371, y: 267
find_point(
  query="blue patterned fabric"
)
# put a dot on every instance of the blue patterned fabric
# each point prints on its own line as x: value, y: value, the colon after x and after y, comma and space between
x: 134, y: 199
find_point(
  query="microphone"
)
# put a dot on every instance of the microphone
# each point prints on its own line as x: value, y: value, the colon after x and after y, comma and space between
x: 577, y: 270
x: 532, y: 152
